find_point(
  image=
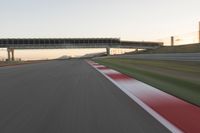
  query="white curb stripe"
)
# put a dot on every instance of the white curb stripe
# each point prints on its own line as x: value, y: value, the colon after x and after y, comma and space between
x: 126, y: 90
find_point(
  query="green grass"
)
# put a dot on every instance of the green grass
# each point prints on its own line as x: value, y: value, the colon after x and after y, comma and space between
x: 181, y: 79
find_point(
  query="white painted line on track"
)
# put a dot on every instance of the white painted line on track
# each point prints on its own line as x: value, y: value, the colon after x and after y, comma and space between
x: 125, y: 88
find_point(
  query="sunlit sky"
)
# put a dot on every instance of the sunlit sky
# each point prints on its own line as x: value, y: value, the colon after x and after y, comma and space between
x: 127, y: 19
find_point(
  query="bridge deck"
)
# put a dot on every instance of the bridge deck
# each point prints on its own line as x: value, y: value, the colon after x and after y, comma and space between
x: 50, y: 43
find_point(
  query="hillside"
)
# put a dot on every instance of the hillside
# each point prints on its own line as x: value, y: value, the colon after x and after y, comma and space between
x: 190, y: 48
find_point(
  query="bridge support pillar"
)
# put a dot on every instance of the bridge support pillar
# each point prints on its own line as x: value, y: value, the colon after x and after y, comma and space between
x: 11, y: 56
x: 108, y: 51
x: 8, y: 54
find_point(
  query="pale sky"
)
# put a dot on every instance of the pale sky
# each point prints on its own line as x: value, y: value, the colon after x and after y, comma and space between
x: 127, y: 19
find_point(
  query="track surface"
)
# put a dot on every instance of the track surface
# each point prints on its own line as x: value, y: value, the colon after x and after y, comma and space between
x: 67, y: 96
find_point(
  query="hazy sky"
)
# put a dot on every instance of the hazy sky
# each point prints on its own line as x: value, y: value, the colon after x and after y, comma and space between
x: 127, y: 19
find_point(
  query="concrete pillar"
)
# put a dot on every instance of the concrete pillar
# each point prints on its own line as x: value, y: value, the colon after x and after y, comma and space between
x: 108, y: 51
x: 8, y: 50
x: 13, y: 56
x: 172, y: 41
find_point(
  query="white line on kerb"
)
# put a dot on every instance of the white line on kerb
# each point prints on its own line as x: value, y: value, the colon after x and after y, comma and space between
x: 157, y: 116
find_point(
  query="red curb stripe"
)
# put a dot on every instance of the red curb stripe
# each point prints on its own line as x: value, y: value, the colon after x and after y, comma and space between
x: 160, y: 119
x: 182, y: 114
x: 119, y: 76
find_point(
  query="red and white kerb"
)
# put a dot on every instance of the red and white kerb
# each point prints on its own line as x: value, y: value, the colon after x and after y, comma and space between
x: 175, y: 114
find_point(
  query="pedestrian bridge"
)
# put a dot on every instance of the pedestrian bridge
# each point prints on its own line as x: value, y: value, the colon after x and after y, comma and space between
x: 66, y: 43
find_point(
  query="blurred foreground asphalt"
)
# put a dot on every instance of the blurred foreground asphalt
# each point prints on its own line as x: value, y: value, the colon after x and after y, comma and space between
x: 67, y: 97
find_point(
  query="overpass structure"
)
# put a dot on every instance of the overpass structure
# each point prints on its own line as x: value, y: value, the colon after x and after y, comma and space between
x: 66, y: 43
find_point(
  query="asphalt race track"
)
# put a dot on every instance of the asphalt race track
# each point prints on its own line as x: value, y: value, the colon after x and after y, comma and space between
x: 67, y: 97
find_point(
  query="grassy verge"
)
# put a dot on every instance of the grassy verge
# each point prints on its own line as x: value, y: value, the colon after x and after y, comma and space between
x: 181, y: 79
